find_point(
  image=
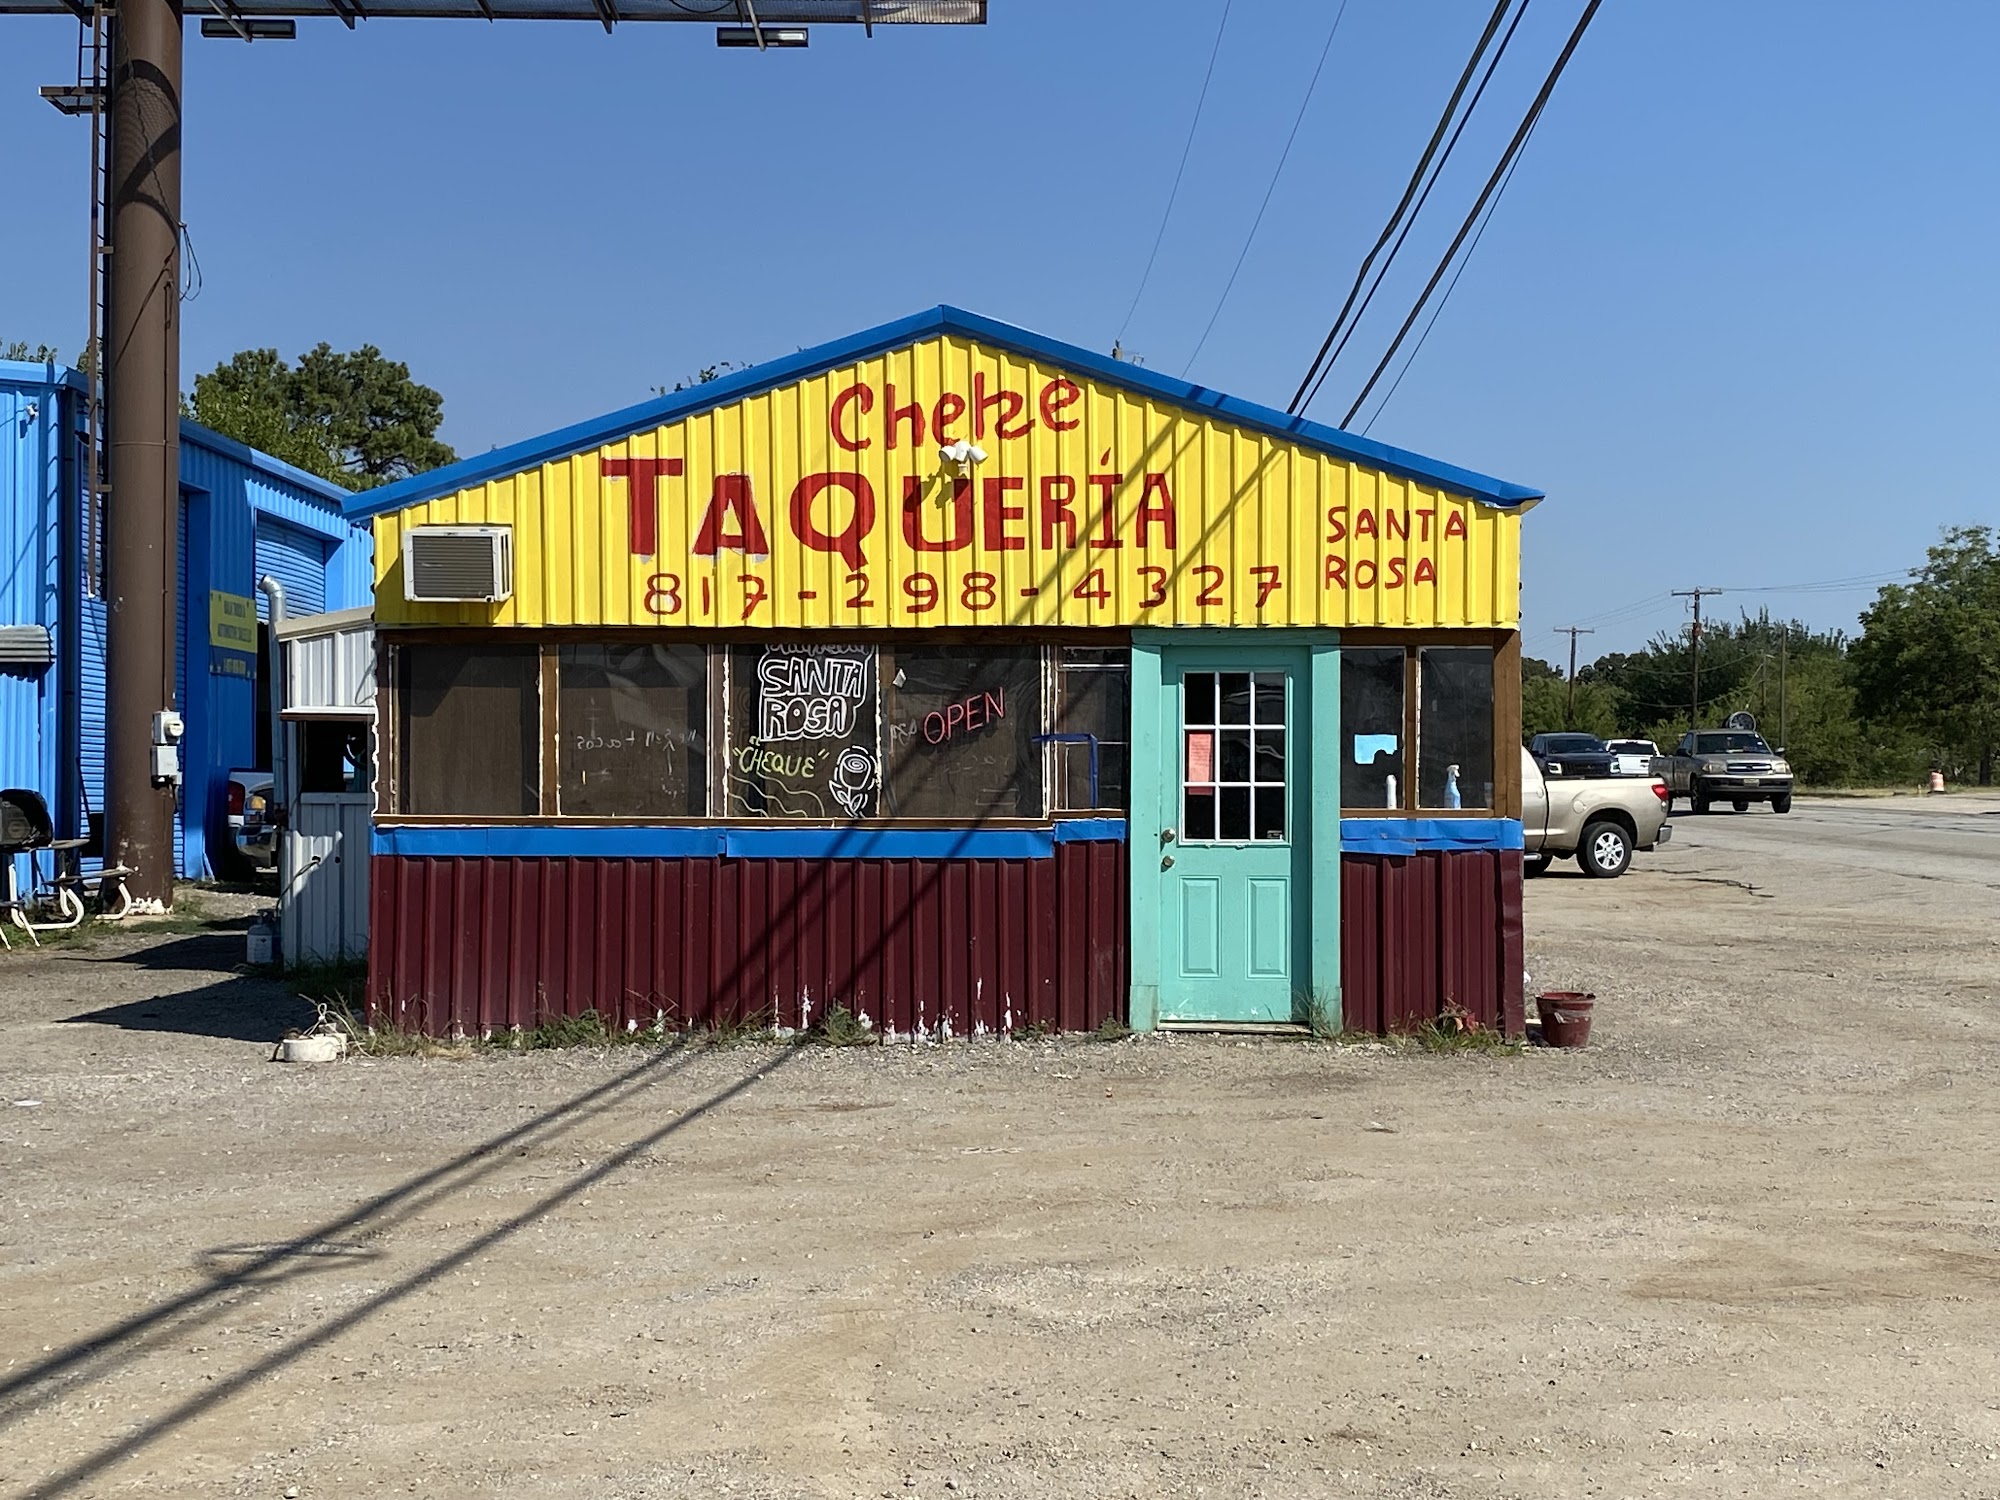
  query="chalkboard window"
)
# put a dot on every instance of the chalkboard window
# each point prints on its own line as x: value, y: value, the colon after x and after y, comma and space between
x: 964, y: 727
x: 1092, y: 730
x: 1455, y: 727
x: 803, y: 732
x: 633, y: 740
x: 469, y: 730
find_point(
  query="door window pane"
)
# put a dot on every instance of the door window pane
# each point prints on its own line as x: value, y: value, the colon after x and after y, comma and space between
x: 469, y: 730
x: 1233, y: 782
x: 634, y: 736
x: 1371, y: 728
x: 1455, y: 727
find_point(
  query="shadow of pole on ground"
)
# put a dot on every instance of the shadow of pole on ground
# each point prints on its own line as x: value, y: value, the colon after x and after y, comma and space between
x: 308, y: 1253
x: 225, y: 1387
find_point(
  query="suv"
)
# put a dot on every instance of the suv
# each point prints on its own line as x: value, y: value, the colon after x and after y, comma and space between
x: 1729, y: 765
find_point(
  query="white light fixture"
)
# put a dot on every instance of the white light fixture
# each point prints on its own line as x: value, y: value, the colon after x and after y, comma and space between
x: 962, y: 452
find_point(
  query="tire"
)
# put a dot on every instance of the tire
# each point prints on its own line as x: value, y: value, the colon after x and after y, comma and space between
x: 1740, y: 805
x: 1535, y: 864
x: 1698, y: 800
x: 1782, y: 803
x: 1605, y: 850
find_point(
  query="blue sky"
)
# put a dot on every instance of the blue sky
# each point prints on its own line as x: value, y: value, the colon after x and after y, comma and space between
x: 1736, y: 312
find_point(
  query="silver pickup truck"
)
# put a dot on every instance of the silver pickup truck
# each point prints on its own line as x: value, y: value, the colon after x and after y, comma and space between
x: 1599, y: 819
x: 1728, y: 765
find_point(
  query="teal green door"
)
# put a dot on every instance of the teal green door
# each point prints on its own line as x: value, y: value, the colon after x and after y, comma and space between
x: 1234, y: 882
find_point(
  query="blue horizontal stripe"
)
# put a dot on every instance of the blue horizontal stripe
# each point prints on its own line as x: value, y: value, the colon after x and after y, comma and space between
x: 1090, y: 831
x: 936, y: 322
x: 589, y: 841
x: 1409, y: 835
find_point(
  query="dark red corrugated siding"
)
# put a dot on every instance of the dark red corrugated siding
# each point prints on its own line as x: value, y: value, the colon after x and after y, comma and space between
x: 1428, y: 932
x: 473, y: 944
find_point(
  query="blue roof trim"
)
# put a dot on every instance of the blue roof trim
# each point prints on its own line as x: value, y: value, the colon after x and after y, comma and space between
x: 937, y: 322
x: 256, y: 458
x: 30, y: 372
x: 602, y: 841
x: 1405, y: 836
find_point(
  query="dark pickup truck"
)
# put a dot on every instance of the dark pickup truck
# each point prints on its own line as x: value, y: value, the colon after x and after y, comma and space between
x: 1571, y: 755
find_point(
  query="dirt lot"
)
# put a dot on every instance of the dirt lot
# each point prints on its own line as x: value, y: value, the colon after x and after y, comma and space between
x: 1746, y: 1244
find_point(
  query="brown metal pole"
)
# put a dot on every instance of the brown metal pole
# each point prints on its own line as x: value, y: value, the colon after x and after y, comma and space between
x: 142, y: 418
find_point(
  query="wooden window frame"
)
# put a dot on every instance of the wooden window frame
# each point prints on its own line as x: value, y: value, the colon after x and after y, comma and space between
x: 548, y: 644
x: 1506, y: 648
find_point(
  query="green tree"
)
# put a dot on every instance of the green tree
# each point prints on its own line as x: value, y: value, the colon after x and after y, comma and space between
x: 1929, y: 654
x: 34, y: 354
x: 357, y: 419
x: 1545, y: 702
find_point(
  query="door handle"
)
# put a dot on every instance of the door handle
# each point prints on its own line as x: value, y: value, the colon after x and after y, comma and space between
x: 1166, y: 862
x: 1166, y: 835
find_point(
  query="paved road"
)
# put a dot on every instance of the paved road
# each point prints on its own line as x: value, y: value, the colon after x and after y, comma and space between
x: 1955, y: 838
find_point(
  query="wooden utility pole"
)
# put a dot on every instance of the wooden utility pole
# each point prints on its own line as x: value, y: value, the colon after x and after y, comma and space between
x: 1694, y: 711
x: 1569, y: 710
x: 1784, y: 641
x: 141, y: 360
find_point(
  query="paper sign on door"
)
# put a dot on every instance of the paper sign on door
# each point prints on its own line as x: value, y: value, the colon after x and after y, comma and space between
x: 1200, y: 756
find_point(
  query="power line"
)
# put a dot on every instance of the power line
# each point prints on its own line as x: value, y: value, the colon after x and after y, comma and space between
x: 1438, y: 311
x: 1409, y: 192
x: 1410, y: 223
x: 1193, y: 125
x: 1499, y: 171
x: 1256, y: 223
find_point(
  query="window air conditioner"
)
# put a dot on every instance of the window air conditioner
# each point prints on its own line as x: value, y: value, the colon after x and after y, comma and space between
x: 458, y: 564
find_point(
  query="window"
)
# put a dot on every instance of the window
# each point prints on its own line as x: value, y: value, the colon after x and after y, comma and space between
x: 468, y: 730
x: 1090, y: 751
x: 333, y: 755
x: 803, y: 732
x: 1455, y: 733
x: 1232, y: 757
x: 647, y: 728
x: 963, y: 730
x: 634, y: 731
x: 1371, y: 728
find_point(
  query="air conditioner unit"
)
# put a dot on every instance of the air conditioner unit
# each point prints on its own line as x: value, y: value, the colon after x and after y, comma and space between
x: 458, y: 564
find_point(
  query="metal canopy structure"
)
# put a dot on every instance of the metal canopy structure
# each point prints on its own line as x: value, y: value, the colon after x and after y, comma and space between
x: 129, y: 85
x: 607, y: 13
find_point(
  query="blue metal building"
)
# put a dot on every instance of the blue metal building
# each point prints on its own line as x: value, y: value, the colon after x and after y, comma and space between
x: 243, y: 514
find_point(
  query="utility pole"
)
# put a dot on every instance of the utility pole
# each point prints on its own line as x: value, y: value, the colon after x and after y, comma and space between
x: 1784, y: 641
x: 1572, y: 631
x: 1694, y: 711
x: 141, y: 361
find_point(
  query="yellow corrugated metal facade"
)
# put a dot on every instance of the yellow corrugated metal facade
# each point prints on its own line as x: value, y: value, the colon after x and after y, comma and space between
x: 825, y: 505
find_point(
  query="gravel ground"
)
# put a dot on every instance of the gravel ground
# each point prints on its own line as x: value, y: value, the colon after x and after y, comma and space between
x: 1745, y: 1244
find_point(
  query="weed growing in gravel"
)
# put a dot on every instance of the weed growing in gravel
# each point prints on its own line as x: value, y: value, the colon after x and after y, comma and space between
x: 1455, y: 1031
x: 1111, y: 1029
x: 840, y: 1027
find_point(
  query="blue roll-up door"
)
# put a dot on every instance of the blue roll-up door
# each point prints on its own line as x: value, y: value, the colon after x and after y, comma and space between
x: 297, y: 559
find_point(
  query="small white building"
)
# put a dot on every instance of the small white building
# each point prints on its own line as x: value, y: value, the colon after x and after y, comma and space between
x: 325, y: 785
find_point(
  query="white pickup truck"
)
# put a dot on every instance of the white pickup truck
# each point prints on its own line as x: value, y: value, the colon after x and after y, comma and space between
x: 1598, y: 819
